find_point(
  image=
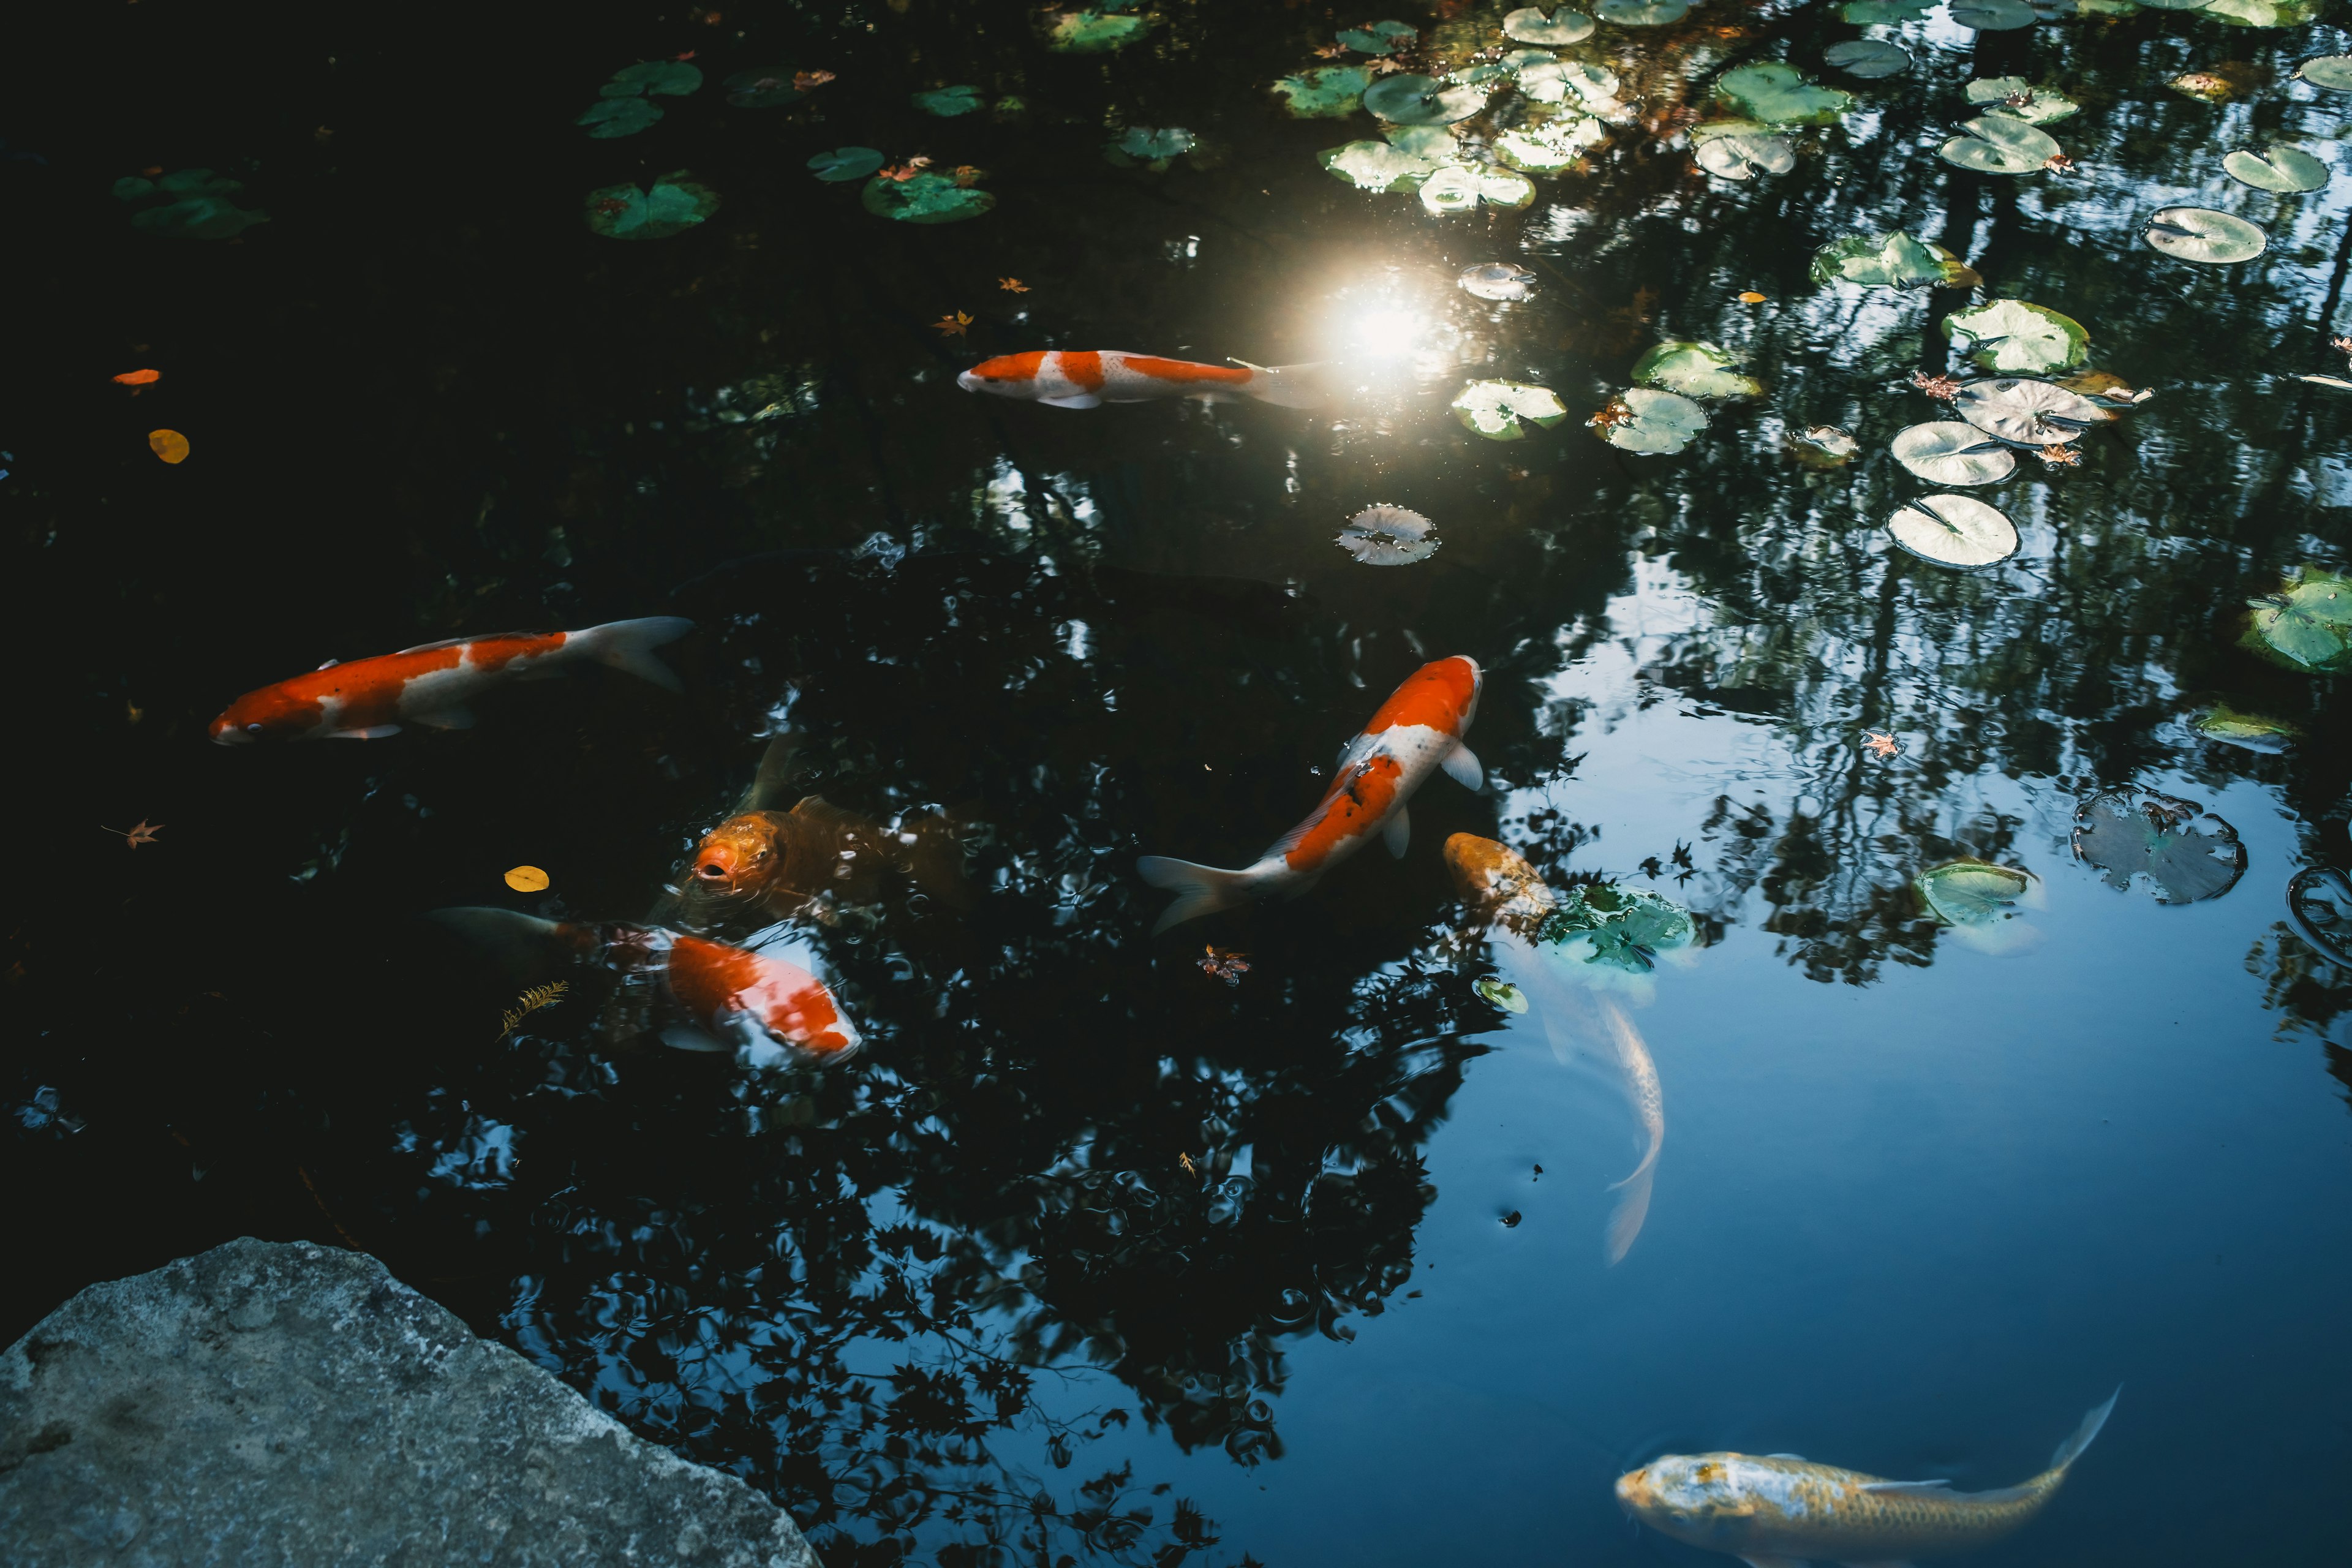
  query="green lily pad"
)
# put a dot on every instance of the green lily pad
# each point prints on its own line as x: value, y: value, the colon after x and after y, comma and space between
x: 1656, y: 424
x: 1327, y: 92
x: 2251, y: 731
x: 2307, y: 623
x: 1408, y: 100
x: 2202, y: 235
x: 1891, y: 261
x: 2020, y: 100
x: 1438, y: 143
x: 1778, y: 94
x: 769, y: 87
x: 1529, y: 26
x: 1093, y: 31
x: 845, y: 164
x: 1379, y: 37
x: 925, y: 197
x: 1500, y: 994
x: 1643, y: 13
x: 190, y: 204
x: 1884, y: 13
x: 2189, y: 854
x: 1378, y: 166
x: 1500, y: 410
x: 1954, y: 531
x: 1695, y: 370
x: 1993, y: 16
x: 609, y: 118
x: 1953, y: 452
x: 673, y: 78
x: 1547, y: 149
x: 2290, y: 170
x: 1741, y: 149
x: 1624, y: 927
x: 1971, y: 892
x: 1868, y: 58
x: 674, y: 204
x: 1149, y: 148
x: 2001, y: 144
x: 2331, y: 72
x: 949, y: 102
x: 2018, y: 338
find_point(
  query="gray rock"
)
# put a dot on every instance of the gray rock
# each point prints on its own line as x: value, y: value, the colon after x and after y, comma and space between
x: 267, y: 1403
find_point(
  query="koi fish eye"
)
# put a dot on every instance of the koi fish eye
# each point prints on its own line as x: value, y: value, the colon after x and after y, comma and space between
x: 253, y: 728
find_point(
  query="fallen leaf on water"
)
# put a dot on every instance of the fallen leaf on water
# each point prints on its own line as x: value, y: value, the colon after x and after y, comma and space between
x: 1938, y: 386
x: 688, y: 56
x: 1224, y: 964
x: 142, y: 833
x: 952, y: 326
x: 1879, y: 746
x: 804, y: 81
x: 2058, y: 456
x: 138, y: 378
x: 1012, y: 284
x: 1752, y: 297
x: 169, y: 445
x: 1331, y: 51
x: 527, y: 880
x: 968, y: 176
x: 530, y: 1002
x: 907, y: 170
x: 1190, y: 1168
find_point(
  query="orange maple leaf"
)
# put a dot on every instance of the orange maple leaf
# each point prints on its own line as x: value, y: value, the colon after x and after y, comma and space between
x: 953, y: 325
x: 142, y: 833
x: 1224, y: 964
x: 1012, y: 284
x: 1879, y: 746
x: 804, y: 81
x: 138, y: 378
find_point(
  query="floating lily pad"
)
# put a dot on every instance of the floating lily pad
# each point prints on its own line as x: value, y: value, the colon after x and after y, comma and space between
x: 1741, y: 149
x: 673, y: 78
x: 2026, y: 413
x: 2001, y: 144
x: 2202, y: 235
x: 1954, y: 531
x: 2331, y: 72
x: 1408, y: 100
x: 2014, y: 336
x: 1778, y: 94
x: 1500, y: 410
x: 1379, y: 37
x: 1971, y: 892
x: 1378, y: 166
x: 2019, y: 100
x: 1563, y: 26
x: 1868, y: 58
x: 2290, y: 170
x: 674, y: 204
x: 1389, y: 536
x: 1643, y: 13
x: 1152, y: 148
x: 2251, y: 731
x: 1327, y: 92
x: 1824, y: 447
x: 2205, y: 86
x: 1624, y: 928
x: 1500, y: 994
x: 1460, y: 188
x: 1695, y: 370
x: 1502, y: 280
x: 769, y: 87
x: 609, y: 118
x: 2319, y: 902
x: 2307, y: 623
x: 1953, y: 452
x: 191, y: 204
x: 1884, y: 13
x: 1093, y: 31
x: 1593, y: 87
x: 1654, y: 424
x: 949, y: 102
x: 925, y: 197
x: 1993, y: 16
x: 2176, y: 5
x: 2188, y: 853
x: 1438, y: 143
x: 1891, y: 261
x: 2264, y: 13
x: 845, y: 164
x: 1547, y: 149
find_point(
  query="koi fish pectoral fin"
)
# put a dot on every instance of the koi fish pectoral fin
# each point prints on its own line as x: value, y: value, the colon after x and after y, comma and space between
x: 1462, y: 765
x: 1076, y: 400
x: 1398, y: 834
x: 446, y: 718
x: 683, y: 1037
x: 373, y: 732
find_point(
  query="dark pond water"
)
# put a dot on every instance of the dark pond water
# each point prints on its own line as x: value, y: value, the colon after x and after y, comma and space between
x: 1090, y: 1254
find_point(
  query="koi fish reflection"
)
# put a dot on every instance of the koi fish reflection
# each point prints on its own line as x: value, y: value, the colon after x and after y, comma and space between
x: 1071, y: 378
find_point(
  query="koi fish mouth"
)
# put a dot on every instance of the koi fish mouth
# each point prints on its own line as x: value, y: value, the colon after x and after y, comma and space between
x: 725, y: 869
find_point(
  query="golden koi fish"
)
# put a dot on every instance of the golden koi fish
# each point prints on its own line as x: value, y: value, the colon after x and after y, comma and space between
x: 1781, y: 1511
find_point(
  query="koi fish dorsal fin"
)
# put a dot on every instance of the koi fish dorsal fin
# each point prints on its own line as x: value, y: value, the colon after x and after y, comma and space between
x: 460, y: 642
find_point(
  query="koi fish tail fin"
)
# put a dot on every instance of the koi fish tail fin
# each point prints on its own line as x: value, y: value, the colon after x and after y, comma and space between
x: 1200, y: 890
x: 2071, y: 1449
x: 1633, y: 1208
x: 523, y: 950
x: 1289, y: 385
x: 629, y: 645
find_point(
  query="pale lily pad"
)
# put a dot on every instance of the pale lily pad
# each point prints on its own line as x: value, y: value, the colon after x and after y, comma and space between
x: 2251, y: 731
x: 2307, y: 623
x: 1954, y: 531
x: 1378, y: 166
x: 2188, y: 853
x: 1327, y: 92
x: 1499, y: 410
x: 1501, y: 280
x: 1408, y: 100
x: 1953, y: 452
x: 1778, y: 94
x: 949, y: 102
x: 1891, y: 261
x: 1824, y: 447
x: 1389, y: 536
x: 1993, y: 16
x: 769, y: 87
x: 2264, y: 13
x: 1624, y: 928
x: 2001, y: 144
x: 1741, y: 149
x: 1643, y: 13
x: 2014, y: 336
x: 1593, y: 87
x: 673, y: 78
x: 845, y: 164
x: 2176, y: 5
x: 1093, y: 31
x: 673, y: 204
x: 2202, y: 235
x: 2290, y: 170
x: 924, y: 198
x: 2026, y: 413
x: 2020, y: 100
x: 1884, y: 13
x: 1868, y: 58
x: 2319, y: 902
x: 1500, y: 994
x: 608, y: 119
x: 1563, y: 26
x: 1379, y: 37
x: 1695, y: 370
x: 2331, y: 72
x: 1460, y: 188
x: 1971, y: 892
x: 1652, y: 423
x: 1547, y: 149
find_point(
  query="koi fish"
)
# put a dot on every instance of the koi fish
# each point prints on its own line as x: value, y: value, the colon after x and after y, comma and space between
x: 1417, y: 731
x: 1781, y: 1511
x: 368, y: 698
x: 692, y: 993
x: 1069, y: 378
x: 1503, y: 890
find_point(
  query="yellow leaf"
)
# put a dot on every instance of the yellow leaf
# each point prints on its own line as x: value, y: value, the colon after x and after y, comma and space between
x: 170, y: 445
x: 527, y: 880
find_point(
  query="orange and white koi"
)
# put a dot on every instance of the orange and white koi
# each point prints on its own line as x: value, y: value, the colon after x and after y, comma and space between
x: 371, y: 697
x: 1071, y: 378
x: 1417, y: 731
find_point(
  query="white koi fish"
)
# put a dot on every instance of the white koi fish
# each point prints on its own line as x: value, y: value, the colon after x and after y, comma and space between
x: 1071, y: 378
x: 1416, y: 731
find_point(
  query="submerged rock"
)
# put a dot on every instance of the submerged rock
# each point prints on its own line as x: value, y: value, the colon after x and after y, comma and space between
x: 268, y: 1403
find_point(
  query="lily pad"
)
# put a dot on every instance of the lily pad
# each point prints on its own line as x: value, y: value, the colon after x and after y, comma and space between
x: 608, y: 119
x: 1868, y: 58
x: 1741, y: 149
x: 1379, y: 37
x: 2330, y: 72
x: 1891, y: 261
x: 2014, y: 336
x: 1643, y: 13
x: 1656, y: 424
x: 845, y: 164
x: 1152, y: 148
x: 925, y: 197
x: 1409, y: 100
x: 1529, y: 26
x: 1971, y: 892
x: 2001, y: 144
x: 1954, y: 531
x: 2319, y: 902
x: 1378, y: 166
x: 1778, y: 94
x: 2027, y: 413
x: 1593, y: 87
x: 949, y: 102
x: 674, y: 204
x: 189, y: 204
x: 1327, y: 92
x: 2251, y: 731
x: 1953, y: 452
x: 1438, y: 143
x: 1500, y: 994
x: 2019, y: 100
x: 1695, y: 370
x: 2264, y: 13
x: 1500, y: 410
x: 2188, y: 853
x: 1824, y: 447
x: 1460, y: 188
x: 769, y: 87
x: 1624, y: 928
x: 1093, y: 31
x: 1389, y: 536
x: 1883, y: 13
x: 1502, y: 280
x: 1993, y: 16
x: 2290, y: 170
x: 673, y: 78
x: 2176, y: 5
x: 2202, y: 235
x: 1548, y: 148
x: 2307, y: 623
